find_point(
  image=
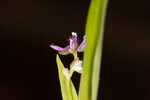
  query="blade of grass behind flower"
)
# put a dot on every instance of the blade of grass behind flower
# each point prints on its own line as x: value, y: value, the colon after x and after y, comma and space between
x: 92, y: 56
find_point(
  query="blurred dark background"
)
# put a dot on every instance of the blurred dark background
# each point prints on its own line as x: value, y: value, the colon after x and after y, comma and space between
x: 27, y: 65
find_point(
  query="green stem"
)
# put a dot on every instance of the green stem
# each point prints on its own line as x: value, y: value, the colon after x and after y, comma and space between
x: 75, y: 55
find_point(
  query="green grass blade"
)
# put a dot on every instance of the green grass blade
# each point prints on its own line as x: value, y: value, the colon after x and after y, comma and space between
x: 92, y: 56
x: 67, y: 88
x: 96, y: 70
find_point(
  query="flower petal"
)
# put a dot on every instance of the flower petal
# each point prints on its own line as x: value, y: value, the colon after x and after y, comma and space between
x: 82, y: 46
x: 60, y: 49
x: 73, y: 42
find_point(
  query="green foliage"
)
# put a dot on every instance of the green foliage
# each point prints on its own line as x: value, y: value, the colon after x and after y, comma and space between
x: 92, y: 55
x: 67, y: 88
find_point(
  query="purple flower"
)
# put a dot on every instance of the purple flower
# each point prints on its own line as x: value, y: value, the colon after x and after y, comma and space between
x: 73, y: 45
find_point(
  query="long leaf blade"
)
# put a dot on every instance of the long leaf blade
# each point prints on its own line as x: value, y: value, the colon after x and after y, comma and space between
x: 94, y: 31
x: 67, y: 88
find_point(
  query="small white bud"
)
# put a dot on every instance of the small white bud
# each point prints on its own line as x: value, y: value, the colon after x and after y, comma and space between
x: 77, y: 66
x: 73, y: 33
x: 66, y: 73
